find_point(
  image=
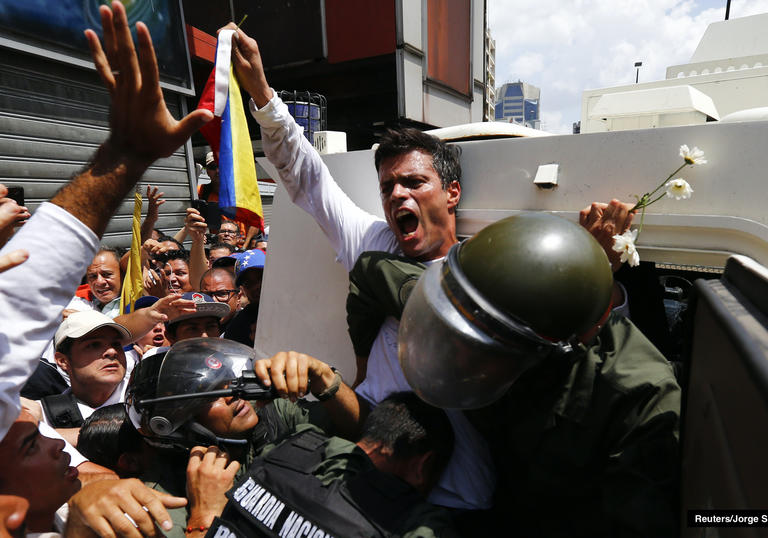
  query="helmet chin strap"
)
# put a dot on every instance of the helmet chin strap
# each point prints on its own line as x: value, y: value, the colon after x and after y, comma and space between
x: 192, y: 434
x: 206, y: 435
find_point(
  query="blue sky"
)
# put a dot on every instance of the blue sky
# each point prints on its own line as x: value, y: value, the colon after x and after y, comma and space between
x: 567, y: 46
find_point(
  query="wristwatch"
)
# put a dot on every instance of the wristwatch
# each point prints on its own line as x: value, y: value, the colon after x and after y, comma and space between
x: 331, y: 391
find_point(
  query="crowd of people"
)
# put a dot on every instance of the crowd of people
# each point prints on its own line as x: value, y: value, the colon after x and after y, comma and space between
x: 500, y: 389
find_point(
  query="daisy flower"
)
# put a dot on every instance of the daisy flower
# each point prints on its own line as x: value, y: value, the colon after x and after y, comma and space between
x: 679, y: 189
x: 625, y: 243
x: 692, y: 156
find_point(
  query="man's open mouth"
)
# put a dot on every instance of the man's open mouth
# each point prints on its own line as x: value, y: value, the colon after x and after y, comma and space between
x: 240, y: 409
x: 407, y: 222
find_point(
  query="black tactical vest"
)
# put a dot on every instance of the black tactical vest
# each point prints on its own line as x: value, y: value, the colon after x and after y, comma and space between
x: 280, y: 497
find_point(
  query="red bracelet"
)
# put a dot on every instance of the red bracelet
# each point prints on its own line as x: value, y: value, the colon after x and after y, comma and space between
x: 201, y: 528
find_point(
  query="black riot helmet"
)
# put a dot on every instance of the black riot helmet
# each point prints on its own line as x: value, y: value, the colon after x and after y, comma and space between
x: 166, y: 391
x: 520, y: 291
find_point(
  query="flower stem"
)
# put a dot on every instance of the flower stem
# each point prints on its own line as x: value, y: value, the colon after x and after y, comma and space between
x: 662, y: 195
x: 642, y: 218
x: 643, y: 202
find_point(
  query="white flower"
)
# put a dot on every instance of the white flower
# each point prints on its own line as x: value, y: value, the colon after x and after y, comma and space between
x: 679, y: 189
x: 693, y: 156
x: 625, y: 243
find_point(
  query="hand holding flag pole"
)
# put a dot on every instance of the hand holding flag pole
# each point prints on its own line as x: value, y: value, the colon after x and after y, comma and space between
x: 229, y: 138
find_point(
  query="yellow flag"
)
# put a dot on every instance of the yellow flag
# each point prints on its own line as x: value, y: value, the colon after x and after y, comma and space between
x: 133, y: 285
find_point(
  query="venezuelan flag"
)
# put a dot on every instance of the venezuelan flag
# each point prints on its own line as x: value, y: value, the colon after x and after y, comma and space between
x: 230, y: 140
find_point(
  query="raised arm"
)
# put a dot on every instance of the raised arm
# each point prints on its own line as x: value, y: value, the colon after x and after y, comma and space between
x: 142, y: 129
x: 301, y: 170
x: 33, y: 295
x: 194, y: 224
x: 154, y: 201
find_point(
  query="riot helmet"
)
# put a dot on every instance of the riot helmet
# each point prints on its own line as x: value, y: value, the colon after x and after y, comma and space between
x: 520, y: 291
x: 166, y: 391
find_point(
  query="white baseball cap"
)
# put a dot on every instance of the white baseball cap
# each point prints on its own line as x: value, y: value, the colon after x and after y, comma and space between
x: 79, y: 324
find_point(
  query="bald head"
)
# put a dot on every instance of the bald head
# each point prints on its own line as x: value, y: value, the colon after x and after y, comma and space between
x: 219, y: 283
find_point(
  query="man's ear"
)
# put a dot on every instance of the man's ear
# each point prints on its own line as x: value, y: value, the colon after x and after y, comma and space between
x: 453, y: 194
x: 62, y: 360
x: 420, y: 468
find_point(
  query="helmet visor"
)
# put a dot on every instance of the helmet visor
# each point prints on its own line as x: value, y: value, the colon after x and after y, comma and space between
x: 450, y: 362
x: 195, y: 365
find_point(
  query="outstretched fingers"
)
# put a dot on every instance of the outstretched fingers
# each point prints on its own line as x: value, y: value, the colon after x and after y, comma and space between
x: 147, y: 61
x: 107, y: 28
x: 126, y: 60
x: 100, y: 61
x: 142, y: 129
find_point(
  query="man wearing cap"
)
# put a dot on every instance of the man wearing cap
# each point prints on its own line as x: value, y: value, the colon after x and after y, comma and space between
x: 203, y: 322
x: 89, y: 348
x: 249, y: 270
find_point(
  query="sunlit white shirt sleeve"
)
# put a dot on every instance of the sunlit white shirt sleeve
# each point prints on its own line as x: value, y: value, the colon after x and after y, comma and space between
x: 33, y: 295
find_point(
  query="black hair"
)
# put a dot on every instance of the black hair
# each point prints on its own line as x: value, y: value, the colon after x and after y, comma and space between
x: 164, y: 238
x: 107, y: 434
x: 410, y: 427
x: 167, y: 256
x: 445, y: 157
x: 219, y: 244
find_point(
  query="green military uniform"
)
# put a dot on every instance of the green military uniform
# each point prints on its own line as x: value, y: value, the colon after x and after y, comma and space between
x: 379, y: 286
x: 168, y: 474
x: 587, y: 446
x: 344, y: 460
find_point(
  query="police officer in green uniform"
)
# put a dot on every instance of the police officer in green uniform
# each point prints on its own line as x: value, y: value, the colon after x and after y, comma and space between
x: 314, y: 485
x: 580, y: 410
x: 190, y: 413
x: 197, y: 393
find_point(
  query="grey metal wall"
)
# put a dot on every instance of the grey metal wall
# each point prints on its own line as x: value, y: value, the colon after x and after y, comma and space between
x: 52, y: 118
x: 266, y: 206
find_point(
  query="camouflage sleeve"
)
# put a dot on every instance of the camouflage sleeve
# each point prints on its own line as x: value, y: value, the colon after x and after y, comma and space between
x: 379, y: 286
